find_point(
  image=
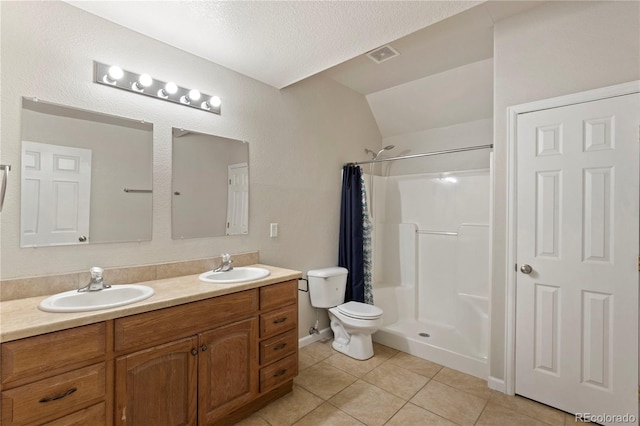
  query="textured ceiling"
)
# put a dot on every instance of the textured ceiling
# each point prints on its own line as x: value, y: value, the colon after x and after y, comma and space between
x: 276, y: 42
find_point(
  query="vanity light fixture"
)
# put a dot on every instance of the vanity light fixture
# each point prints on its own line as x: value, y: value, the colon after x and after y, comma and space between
x: 144, y: 84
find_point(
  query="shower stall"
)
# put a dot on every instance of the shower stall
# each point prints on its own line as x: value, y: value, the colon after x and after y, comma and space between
x: 431, y: 263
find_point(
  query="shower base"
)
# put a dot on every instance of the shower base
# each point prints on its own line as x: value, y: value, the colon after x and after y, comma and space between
x: 444, y: 345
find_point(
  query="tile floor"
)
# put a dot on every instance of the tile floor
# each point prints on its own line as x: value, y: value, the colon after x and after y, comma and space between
x: 394, y: 389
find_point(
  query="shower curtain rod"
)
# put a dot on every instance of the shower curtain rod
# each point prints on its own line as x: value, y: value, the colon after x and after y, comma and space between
x: 425, y: 154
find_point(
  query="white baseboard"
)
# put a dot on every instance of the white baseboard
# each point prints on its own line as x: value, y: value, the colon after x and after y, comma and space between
x: 324, y: 334
x: 496, y: 384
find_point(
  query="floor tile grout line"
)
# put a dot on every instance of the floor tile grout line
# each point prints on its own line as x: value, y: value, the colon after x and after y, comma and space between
x: 342, y: 411
x: 486, y: 404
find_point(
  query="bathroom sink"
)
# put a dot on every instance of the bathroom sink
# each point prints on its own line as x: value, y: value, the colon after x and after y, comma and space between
x: 75, y: 301
x: 236, y: 275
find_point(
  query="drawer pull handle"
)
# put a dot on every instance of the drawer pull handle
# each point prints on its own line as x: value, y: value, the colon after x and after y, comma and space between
x: 62, y: 395
x: 280, y: 373
x: 279, y: 320
x: 280, y: 346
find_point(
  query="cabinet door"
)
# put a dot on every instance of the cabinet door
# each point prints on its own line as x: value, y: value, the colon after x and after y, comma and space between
x: 158, y: 386
x: 227, y: 369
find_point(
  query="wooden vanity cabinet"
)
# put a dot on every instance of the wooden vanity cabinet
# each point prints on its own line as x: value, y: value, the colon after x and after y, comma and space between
x: 210, y: 362
x: 57, y: 378
x: 158, y: 385
x: 196, y: 379
x: 278, y: 334
x: 227, y: 369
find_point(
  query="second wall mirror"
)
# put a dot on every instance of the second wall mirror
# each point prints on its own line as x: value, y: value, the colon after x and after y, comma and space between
x: 210, y: 185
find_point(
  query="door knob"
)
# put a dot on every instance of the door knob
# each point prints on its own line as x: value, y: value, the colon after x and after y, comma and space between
x: 526, y: 269
x: 82, y: 239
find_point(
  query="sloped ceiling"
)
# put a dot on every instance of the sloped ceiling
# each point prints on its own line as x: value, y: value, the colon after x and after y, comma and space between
x: 276, y: 42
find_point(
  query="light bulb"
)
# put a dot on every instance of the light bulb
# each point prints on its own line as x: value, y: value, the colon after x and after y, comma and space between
x: 145, y: 80
x: 194, y: 94
x: 115, y: 72
x: 170, y: 88
x: 215, y: 101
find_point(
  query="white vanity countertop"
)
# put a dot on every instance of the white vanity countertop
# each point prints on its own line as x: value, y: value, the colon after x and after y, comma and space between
x: 21, y: 318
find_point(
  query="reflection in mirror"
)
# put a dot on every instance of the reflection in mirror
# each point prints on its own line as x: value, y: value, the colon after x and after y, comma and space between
x: 86, y: 177
x: 210, y: 185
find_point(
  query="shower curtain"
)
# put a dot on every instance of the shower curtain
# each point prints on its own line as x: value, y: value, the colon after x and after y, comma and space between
x: 355, y: 236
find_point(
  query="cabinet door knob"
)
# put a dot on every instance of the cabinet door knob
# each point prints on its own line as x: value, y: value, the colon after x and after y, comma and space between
x: 203, y: 348
x: 194, y: 352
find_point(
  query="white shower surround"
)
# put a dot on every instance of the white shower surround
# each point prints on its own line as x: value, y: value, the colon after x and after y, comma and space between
x: 435, y: 283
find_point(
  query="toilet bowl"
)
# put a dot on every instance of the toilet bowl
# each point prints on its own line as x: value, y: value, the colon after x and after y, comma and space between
x: 352, y: 323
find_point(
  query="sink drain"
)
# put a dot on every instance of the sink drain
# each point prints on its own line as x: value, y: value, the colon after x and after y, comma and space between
x: 424, y: 335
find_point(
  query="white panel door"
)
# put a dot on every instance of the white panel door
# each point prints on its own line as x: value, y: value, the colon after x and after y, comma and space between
x: 577, y: 228
x: 238, y: 199
x: 56, y: 190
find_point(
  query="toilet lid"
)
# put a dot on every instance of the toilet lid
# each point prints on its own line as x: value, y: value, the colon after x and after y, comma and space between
x: 360, y: 310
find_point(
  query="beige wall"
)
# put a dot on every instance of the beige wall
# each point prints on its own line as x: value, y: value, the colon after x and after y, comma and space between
x: 552, y: 50
x: 299, y: 137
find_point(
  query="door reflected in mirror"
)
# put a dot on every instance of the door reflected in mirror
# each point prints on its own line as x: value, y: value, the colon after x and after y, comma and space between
x: 86, y: 177
x: 210, y: 185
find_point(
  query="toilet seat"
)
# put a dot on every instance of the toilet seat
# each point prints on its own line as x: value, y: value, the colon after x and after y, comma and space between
x: 359, y: 310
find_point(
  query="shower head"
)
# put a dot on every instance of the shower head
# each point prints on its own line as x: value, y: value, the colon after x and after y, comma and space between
x: 374, y: 154
x: 386, y: 148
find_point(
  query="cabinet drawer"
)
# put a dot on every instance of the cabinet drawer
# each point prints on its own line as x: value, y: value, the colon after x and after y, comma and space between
x: 91, y: 416
x: 278, y: 373
x: 55, y: 396
x: 33, y: 358
x: 275, y: 295
x: 142, y: 330
x: 278, y: 347
x: 279, y: 321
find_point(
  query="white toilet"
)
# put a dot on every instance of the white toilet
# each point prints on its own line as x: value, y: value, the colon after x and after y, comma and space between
x: 352, y: 323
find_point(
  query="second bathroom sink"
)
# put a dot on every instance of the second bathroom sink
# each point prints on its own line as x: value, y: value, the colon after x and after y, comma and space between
x: 236, y: 275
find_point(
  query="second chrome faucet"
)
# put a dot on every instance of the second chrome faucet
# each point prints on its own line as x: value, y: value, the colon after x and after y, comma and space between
x: 225, y: 266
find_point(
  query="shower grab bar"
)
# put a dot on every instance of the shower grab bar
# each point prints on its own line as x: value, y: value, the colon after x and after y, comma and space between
x: 137, y: 190
x: 453, y: 234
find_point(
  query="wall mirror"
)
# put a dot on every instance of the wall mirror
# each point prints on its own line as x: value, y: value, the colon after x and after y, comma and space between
x: 86, y: 177
x: 210, y: 185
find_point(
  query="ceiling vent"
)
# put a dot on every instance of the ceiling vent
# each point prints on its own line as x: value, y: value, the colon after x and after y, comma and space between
x: 382, y: 54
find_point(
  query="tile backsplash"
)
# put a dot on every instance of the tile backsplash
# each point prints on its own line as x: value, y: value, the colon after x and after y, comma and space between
x: 21, y: 288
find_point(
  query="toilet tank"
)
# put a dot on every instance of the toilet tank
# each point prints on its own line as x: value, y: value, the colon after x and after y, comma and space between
x: 327, y: 286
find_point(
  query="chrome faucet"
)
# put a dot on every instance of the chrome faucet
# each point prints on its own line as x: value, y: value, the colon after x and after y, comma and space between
x: 97, y: 282
x: 225, y: 266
